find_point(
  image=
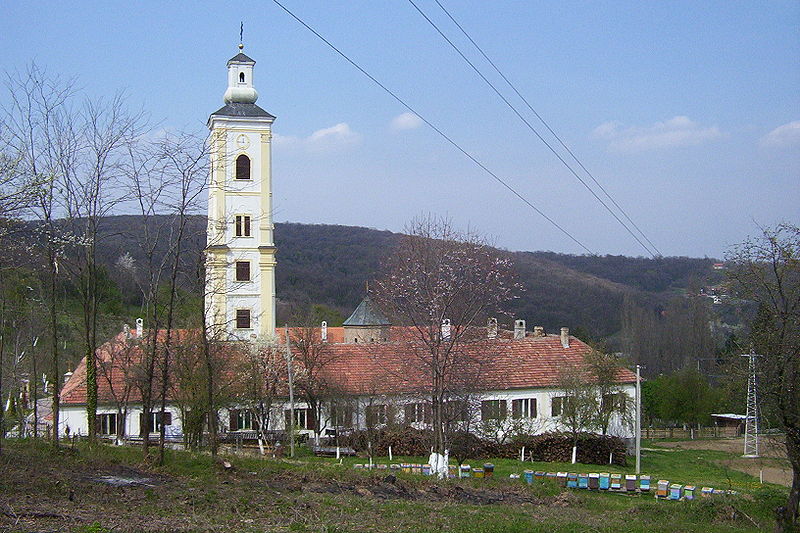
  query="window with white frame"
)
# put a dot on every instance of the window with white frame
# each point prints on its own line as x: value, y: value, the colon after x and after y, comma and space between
x: 417, y: 413
x: 376, y: 415
x: 242, y: 225
x: 557, y: 405
x: 341, y: 414
x: 243, y: 419
x: 154, y: 422
x: 106, y: 424
x: 523, y: 408
x: 242, y: 270
x: 243, y: 319
x: 493, y: 409
x: 303, y: 418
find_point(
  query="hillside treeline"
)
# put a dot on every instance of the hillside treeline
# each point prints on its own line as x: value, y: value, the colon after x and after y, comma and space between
x: 330, y: 265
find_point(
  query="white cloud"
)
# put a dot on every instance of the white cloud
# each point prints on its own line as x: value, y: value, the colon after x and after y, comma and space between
x: 782, y: 136
x: 329, y: 139
x: 675, y: 132
x: 406, y: 121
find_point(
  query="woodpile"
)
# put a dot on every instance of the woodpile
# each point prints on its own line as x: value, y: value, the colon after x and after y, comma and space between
x: 557, y: 447
x: 547, y: 447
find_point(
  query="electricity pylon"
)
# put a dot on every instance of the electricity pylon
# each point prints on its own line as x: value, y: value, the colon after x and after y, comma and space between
x: 751, y: 422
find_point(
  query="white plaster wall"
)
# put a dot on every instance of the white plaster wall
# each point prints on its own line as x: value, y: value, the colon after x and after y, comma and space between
x: 74, y: 417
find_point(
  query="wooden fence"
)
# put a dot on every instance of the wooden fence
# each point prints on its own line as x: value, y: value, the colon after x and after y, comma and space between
x: 691, y: 433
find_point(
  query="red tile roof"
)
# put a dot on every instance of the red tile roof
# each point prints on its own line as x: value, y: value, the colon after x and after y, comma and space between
x: 503, y: 363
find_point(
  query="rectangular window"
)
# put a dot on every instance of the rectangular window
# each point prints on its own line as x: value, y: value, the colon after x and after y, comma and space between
x: 106, y: 424
x: 613, y: 402
x: 303, y: 418
x: 155, y: 421
x: 242, y: 225
x: 242, y: 270
x: 493, y: 409
x: 418, y: 413
x: 557, y: 405
x: 243, y: 419
x: 456, y: 411
x: 376, y: 415
x: 341, y: 415
x: 523, y: 408
x: 242, y: 319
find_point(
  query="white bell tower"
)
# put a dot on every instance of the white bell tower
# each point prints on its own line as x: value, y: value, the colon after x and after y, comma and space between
x: 240, y: 252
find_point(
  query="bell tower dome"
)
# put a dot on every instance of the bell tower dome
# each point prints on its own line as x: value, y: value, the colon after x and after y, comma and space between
x: 240, y: 80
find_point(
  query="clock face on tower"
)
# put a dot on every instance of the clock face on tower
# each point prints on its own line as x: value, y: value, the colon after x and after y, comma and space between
x: 242, y: 142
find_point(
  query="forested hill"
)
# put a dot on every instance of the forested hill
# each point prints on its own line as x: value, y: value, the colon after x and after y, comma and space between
x: 329, y: 265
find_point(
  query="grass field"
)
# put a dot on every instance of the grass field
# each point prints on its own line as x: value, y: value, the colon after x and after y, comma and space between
x: 44, y: 490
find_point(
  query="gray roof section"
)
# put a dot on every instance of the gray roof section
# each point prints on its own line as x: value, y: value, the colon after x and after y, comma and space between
x: 241, y: 58
x: 367, y: 314
x: 237, y: 109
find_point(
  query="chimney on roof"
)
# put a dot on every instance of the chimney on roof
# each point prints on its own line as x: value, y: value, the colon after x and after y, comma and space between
x: 324, y: 331
x: 538, y: 331
x: 519, y: 329
x: 126, y: 329
x: 67, y: 375
x: 446, y: 329
x: 565, y: 337
x: 491, y: 328
x: 139, y: 328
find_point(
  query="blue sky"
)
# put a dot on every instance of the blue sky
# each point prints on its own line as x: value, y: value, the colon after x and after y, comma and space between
x: 687, y: 112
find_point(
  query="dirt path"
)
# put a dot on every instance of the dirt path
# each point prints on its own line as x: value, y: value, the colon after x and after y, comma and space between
x: 772, y: 465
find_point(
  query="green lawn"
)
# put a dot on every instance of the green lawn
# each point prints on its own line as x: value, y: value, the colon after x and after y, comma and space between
x: 192, y: 493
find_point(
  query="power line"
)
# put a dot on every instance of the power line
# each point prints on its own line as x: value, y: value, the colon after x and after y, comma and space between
x: 434, y: 127
x: 527, y: 123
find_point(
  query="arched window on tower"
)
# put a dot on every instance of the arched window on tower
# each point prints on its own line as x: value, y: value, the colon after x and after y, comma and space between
x: 241, y: 77
x: 242, y: 167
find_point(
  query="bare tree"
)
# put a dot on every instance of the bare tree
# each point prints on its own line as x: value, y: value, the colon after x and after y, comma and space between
x: 604, y: 370
x: 766, y: 270
x: 167, y: 181
x: 117, y: 362
x: 576, y: 403
x: 262, y: 369
x: 438, y: 276
x: 36, y: 140
x: 312, y: 357
x: 103, y: 133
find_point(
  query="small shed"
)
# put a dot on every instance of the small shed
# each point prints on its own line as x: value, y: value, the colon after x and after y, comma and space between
x: 730, y: 420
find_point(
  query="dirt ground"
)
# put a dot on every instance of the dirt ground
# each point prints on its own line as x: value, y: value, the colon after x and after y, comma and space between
x: 772, y: 464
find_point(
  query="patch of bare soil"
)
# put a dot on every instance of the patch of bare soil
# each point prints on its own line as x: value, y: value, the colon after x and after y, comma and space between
x: 767, y: 447
x: 391, y: 488
x: 772, y: 464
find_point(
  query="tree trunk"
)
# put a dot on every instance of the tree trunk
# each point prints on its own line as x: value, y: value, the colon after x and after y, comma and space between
x: 54, y: 347
x: 788, y: 517
x: 2, y: 351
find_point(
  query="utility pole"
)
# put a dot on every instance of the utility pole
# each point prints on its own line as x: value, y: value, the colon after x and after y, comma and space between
x: 638, y: 420
x: 751, y: 422
x: 290, y: 427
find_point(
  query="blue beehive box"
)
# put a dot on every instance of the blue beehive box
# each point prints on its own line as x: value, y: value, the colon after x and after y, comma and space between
x: 583, y: 481
x: 675, y: 491
x: 644, y: 483
x: 528, y: 475
x: 605, y: 480
x: 572, y: 480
